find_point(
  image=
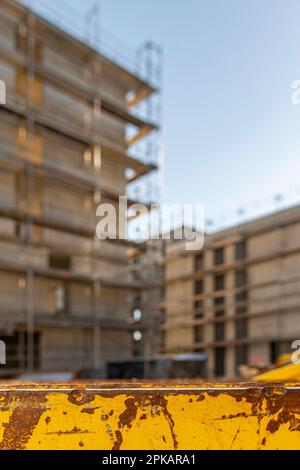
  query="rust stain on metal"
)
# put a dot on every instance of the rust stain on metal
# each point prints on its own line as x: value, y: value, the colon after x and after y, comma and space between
x: 90, y: 410
x: 233, y: 416
x: 201, y: 397
x: 275, y: 399
x: 25, y: 416
x: 119, y: 440
x: 158, y: 404
x: 6, y: 402
x: 287, y: 405
x: 129, y: 414
x: 80, y: 397
x: 75, y: 430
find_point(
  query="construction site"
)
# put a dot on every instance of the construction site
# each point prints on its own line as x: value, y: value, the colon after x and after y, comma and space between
x: 123, y: 342
x: 237, y: 300
x: 67, y: 130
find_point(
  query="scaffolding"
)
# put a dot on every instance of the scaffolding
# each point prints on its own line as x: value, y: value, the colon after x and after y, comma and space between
x: 238, y: 297
x: 29, y: 157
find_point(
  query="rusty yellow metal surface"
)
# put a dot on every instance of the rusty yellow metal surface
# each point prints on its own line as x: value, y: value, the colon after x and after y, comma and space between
x: 150, y: 416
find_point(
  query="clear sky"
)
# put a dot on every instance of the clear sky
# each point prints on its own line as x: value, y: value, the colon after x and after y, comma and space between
x: 231, y: 134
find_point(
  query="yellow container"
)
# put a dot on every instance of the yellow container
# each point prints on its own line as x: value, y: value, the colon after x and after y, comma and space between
x: 150, y: 416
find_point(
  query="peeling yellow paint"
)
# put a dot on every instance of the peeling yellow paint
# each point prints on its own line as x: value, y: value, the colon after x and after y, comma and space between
x: 131, y: 416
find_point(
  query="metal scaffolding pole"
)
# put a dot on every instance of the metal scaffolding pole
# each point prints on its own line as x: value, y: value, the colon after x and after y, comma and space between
x: 30, y: 105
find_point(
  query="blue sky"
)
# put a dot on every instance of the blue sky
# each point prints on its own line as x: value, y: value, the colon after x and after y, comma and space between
x: 231, y: 134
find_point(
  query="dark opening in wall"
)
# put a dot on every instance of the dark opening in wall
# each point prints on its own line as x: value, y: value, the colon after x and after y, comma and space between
x: 219, y: 306
x: 59, y: 262
x: 198, y: 262
x: 219, y: 282
x: 241, y: 328
x: 240, y: 278
x: 198, y: 309
x: 220, y: 354
x: 219, y: 331
x: 219, y: 256
x: 274, y: 348
x: 240, y: 250
x: 241, y: 356
x: 198, y: 334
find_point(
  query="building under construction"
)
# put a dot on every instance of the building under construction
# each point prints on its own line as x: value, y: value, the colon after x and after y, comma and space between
x: 67, y: 130
x: 238, y: 299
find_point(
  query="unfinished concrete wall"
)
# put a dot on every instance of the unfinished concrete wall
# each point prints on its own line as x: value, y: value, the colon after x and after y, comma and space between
x: 63, y: 349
